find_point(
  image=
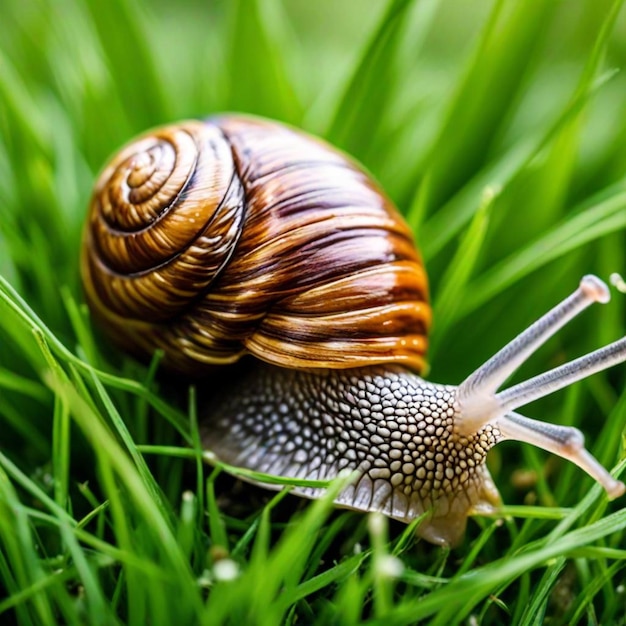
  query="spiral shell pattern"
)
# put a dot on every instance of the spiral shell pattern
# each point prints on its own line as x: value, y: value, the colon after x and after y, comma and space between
x: 210, y: 240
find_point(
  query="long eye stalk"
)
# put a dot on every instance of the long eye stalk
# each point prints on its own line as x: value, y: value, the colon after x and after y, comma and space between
x: 480, y: 404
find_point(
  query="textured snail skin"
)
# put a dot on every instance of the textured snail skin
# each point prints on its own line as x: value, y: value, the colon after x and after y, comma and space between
x: 389, y: 426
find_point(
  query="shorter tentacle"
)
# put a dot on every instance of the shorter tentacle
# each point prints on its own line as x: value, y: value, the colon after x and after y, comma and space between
x: 564, y: 441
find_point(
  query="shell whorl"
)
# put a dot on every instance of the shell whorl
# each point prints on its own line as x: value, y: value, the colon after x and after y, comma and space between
x: 214, y: 239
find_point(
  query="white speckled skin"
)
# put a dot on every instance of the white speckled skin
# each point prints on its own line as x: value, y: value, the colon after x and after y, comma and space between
x: 394, y: 428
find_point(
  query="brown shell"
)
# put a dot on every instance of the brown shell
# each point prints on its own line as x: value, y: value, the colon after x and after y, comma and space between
x: 239, y: 235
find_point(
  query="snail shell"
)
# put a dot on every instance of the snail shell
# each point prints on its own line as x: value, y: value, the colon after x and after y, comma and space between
x: 212, y: 240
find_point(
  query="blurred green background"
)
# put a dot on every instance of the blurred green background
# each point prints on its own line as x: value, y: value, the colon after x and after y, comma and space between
x: 497, y: 127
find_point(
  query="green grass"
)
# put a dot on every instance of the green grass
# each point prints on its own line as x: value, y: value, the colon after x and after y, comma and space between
x: 499, y: 130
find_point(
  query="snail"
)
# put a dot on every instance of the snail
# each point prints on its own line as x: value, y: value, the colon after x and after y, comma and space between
x: 235, y: 236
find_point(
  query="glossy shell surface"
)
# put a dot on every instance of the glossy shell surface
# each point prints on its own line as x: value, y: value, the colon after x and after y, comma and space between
x: 236, y: 235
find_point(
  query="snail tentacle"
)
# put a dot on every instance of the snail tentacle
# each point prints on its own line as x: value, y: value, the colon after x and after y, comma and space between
x: 564, y: 441
x: 488, y: 378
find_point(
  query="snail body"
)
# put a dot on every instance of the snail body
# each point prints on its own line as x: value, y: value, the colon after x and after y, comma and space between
x: 240, y: 236
x: 391, y: 427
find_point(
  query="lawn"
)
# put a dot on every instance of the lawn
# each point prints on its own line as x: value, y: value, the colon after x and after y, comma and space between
x: 498, y: 129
